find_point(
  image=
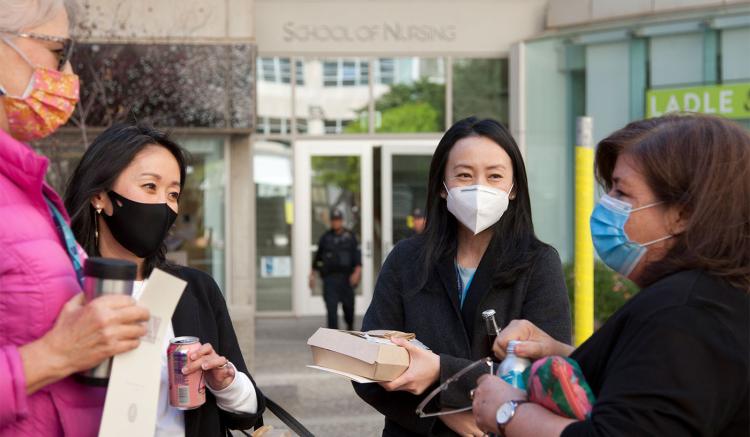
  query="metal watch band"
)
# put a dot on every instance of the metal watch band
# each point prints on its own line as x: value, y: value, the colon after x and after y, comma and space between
x: 514, y: 403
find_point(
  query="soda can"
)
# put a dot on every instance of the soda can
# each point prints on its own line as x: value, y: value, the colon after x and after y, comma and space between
x: 186, y: 392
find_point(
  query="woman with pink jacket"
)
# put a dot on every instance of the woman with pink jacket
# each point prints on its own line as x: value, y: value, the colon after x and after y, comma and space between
x: 47, y: 332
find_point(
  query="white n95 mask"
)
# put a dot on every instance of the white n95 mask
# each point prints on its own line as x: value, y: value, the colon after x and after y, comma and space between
x: 477, y: 206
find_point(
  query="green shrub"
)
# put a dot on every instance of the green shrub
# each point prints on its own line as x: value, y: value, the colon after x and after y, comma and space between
x: 611, y: 291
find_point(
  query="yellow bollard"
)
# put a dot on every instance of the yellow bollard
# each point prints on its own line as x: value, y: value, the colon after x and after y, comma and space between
x: 584, y: 248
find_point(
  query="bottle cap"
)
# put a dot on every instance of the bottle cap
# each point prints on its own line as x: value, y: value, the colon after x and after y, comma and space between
x: 511, y: 349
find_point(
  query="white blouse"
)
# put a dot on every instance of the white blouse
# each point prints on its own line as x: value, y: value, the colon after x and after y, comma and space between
x: 238, y: 397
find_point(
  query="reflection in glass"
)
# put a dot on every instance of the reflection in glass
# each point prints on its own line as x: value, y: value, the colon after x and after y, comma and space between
x: 333, y: 96
x: 274, y: 90
x: 335, y: 183
x: 272, y: 171
x: 198, y: 237
x: 410, y: 175
x: 480, y: 88
x: 410, y: 95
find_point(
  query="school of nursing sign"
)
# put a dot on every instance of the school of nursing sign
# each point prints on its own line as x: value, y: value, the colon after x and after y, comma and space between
x: 730, y: 101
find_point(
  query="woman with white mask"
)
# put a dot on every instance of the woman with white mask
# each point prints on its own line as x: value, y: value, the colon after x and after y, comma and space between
x: 478, y: 252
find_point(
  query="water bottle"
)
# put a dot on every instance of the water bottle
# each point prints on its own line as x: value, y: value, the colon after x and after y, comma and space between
x: 512, y: 368
x: 104, y: 276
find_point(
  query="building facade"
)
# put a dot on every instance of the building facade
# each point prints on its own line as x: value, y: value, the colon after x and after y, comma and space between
x: 617, y: 62
x: 293, y: 107
x: 187, y: 66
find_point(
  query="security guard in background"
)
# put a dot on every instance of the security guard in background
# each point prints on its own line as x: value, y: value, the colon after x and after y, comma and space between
x: 339, y: 263
x: 419, y: 221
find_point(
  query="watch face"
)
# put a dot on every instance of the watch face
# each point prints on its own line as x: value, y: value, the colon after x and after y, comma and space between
x: 504, y: 413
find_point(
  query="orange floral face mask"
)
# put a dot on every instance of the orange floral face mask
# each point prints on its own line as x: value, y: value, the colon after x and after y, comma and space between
x: 47, y: 103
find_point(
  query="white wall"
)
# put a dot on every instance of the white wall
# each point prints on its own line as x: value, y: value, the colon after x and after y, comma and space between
x: 392, y: 27
x: 574, y: 12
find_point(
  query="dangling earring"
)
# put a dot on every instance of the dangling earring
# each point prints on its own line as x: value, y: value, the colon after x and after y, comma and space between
x: 96, y: 224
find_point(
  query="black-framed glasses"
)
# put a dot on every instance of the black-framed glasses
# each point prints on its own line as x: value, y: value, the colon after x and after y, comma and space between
x: 63, y: 52
x: 487, y: 361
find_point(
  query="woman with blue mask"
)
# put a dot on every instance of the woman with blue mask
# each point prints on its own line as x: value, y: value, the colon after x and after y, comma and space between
x: 675, y: 359
x: 478, y: 252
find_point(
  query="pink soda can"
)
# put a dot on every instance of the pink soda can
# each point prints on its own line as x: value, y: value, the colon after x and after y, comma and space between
x: 186, y: 392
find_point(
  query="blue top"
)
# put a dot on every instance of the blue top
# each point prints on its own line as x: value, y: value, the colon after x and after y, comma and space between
x: 464, y: 277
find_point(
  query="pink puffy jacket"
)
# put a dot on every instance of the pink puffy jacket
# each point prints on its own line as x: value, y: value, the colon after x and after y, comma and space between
x: 36, y: 279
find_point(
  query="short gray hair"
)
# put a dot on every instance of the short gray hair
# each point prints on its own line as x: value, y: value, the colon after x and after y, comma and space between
x: 18, y: 15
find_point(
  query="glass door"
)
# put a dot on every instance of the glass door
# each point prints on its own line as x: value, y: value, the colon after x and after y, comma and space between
x: 405, y: 167
x: 331, y: 175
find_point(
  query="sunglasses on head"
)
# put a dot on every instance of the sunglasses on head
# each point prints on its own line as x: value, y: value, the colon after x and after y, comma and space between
x: 63, y: 51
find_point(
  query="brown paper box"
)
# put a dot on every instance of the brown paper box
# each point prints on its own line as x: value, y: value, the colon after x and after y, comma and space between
x: 342, y: 351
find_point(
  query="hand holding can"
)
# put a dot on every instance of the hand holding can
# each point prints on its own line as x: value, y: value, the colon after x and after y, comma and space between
x: 218, y: 371
x: 187, y: 388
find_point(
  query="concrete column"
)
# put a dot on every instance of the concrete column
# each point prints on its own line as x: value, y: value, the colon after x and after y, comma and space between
x: 240, y: 209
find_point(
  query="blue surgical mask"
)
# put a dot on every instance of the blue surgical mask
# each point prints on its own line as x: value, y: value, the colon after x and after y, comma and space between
x: 611, y: 242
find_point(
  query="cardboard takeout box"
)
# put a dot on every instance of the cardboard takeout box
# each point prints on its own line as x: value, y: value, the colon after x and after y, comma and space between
x: 370, y: 356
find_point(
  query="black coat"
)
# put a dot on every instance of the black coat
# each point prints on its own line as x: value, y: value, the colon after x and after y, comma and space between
x: 673, y: 361
x: 457, y: 334
x: 202, y: 312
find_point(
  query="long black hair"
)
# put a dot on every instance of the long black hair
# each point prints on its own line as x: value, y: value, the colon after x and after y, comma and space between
x: 101, y: 164
x: 513, y: 238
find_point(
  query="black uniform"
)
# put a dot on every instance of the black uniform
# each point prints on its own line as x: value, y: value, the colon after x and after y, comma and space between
x: 337, y: 257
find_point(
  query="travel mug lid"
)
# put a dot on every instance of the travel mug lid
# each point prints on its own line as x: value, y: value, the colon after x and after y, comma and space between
x: 110, y: 268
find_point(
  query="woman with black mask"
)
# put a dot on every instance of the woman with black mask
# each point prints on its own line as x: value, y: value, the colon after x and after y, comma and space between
x: 123, y: 198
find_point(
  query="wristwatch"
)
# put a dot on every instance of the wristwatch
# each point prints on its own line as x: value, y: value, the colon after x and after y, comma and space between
x: 506, y: 412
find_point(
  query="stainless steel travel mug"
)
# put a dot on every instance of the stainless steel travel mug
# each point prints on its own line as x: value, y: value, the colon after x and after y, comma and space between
x: 104, y: 276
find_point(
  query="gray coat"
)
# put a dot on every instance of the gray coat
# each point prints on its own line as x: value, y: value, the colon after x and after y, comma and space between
x: 456, y: 333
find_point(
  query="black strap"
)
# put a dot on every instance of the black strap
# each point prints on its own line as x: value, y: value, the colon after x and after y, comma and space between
x: 288, y: 419
x: 285, y: 417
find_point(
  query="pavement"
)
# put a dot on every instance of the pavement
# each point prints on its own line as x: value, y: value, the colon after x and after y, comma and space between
x: 326, y: 404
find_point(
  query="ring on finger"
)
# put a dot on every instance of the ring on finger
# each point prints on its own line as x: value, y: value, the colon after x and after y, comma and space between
x: 224, y: 365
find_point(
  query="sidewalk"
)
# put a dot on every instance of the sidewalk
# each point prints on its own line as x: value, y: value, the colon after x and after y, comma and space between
x: 325, y: 404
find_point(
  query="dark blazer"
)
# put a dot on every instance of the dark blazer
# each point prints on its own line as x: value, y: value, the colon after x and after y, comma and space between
x: 202, y: 312
x: 457, y: 334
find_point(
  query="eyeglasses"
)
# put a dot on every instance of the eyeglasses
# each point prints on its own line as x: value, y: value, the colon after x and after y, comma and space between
x: 63, y: 52
x: 487, y: 361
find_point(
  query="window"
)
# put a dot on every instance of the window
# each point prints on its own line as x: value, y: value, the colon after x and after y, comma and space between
x: 300, y: 73
x: 418, y: 103
x: 386, y: 71
x: 346, y: 72
x: 332, y: 126
x: 330, y: 73
x: 279, y: 70
x: 349, y: 73
x: 480, y: 88
x: 268, y: 69
x: 302, y: 125
x: 285, y: 70
x: 272, y: 173
x: 198, y: 238
x: 364, y: 72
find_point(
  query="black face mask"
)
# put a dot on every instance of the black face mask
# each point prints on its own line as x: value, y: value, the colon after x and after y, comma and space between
x: 139, y: 227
